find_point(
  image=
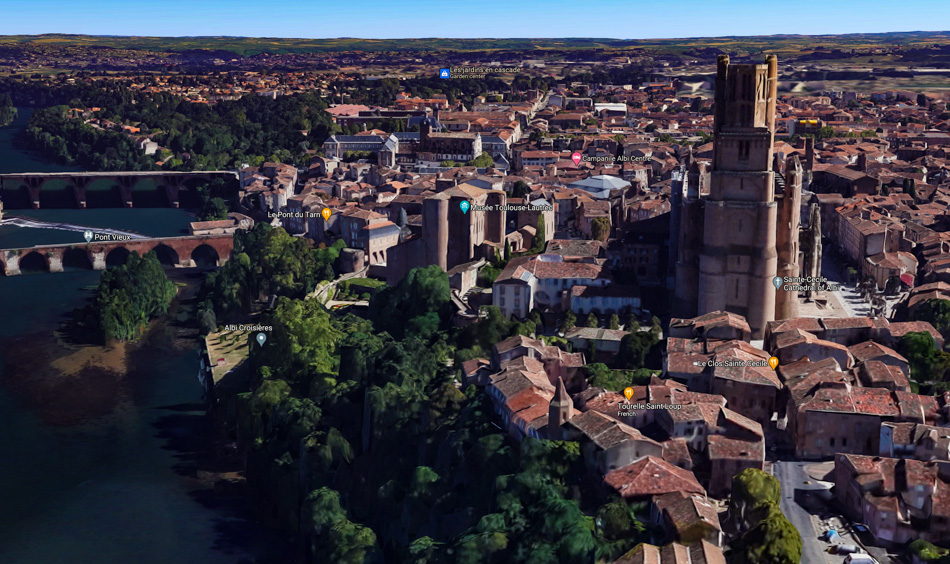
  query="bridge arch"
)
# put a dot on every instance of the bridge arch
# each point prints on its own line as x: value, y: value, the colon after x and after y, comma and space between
x: 77, y: 258
x: 117, y: 256
x: 34, y: 261
x: 205, y: 255
x: 167, y: 255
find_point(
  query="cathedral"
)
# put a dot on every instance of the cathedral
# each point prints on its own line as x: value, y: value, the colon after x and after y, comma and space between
x: 736, y: 223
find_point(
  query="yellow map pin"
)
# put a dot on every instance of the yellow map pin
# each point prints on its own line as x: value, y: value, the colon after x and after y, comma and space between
x: 326, y: 213
x: 628, y: 393
x: 773, y: 362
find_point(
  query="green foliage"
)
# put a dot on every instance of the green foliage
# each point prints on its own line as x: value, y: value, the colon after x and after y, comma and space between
x: 937, y: 313
x: 600, y: 229
x: 927, y: 364
x: 928, y: 552
x: 71, y: 142
x: 592, y: 320
x: 216, y: 137
x: 774, y: 540
x: 449, y: 164
x: 568, y: 322
x: 266, y: 261
x: 421, y: 291
x: 540, y: 236
x: 334, y: 538
x: 521, y: 189
x: 768, y: 535
x: 599, y: 375
x: 483, y: 160
x: 303, y: 341
x: 126, y: 299
x: 614, y: 321
x: 637, y: 345
x: 8, y: 111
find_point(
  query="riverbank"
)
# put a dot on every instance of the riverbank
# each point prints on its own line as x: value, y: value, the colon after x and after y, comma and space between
x: 116, y: 457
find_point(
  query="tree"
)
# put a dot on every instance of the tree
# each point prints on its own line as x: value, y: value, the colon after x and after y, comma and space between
x: 600, y: 228
x: 540, y: 235
x: 614, y: 321
x: 507, y: 255
x: 126, y: 299
x: 483, y: 160
x: 927, y: 363
x: 766, y: 534
x: 214, y: 209
x: 634, y: 348
x: 567, y: 323
x: 303, y: 341
x: 421, y: 291
x: 592, y: 320
x: 937, y: 313
x: 521, y: 189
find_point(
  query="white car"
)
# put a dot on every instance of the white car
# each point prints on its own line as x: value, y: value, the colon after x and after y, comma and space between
x: 860, y: 559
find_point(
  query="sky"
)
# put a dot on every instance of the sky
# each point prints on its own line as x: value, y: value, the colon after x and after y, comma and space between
x: 621, y: 19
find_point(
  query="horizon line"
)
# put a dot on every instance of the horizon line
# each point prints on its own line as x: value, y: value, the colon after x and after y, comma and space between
x: 525, y: 38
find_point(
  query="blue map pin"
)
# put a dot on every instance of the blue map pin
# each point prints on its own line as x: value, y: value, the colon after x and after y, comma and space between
x: 261, y: 337
x: 464, y: 205
x: 777, y: 282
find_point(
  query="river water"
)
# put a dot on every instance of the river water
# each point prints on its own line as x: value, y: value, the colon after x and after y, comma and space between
x: 104, y: 448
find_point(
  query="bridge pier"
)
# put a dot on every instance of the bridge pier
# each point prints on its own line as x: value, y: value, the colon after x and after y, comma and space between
x: 34, y: 196
x: 11, y: 263
x: 79, y: 190
x: 98, y: 259
x: 55, y: 261
x: 172, y: 192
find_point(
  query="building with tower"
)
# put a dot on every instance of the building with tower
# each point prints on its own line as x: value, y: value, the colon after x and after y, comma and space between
x: 748, y: 232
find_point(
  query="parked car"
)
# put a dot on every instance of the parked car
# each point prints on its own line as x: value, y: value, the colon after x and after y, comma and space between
x: 860, y: 559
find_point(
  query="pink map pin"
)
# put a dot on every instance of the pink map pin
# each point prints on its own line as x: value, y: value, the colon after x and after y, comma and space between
x: 576, y: 157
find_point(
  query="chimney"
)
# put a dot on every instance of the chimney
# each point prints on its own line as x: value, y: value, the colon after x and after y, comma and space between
x: 863, y: 162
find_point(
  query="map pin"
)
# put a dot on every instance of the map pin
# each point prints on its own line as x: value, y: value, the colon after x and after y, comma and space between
x: 464, y: 205
x: 87, y: 236
x: 261, y: 337
x: 777, y: 282
x: 576, y: 157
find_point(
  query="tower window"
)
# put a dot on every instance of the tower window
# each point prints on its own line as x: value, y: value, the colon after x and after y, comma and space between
x: 744, y: 150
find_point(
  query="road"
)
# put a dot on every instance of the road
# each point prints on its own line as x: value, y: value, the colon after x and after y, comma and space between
x: 792, y: 476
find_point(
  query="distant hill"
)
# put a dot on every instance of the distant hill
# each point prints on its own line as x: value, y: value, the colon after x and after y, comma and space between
x: 249, y: 46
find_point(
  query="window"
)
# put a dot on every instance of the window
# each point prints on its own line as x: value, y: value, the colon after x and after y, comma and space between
x: 744, y: 147
x: 832, y: 443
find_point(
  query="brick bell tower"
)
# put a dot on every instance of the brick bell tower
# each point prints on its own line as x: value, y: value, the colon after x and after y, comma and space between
x: 739, y: 256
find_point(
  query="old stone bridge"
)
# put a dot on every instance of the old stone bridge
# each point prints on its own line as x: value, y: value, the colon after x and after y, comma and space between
x: 185, y: 251
x: 169, y: 182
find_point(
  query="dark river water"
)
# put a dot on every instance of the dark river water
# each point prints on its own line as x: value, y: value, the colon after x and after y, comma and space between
x: 103, y: 448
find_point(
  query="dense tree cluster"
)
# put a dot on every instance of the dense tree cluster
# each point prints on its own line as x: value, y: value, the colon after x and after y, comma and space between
x: 72, y: 142
x: 766, y: 535
x: 8, y: 111
x: 267, y: 261
x: 928, y: 365
x: 219, y: 136
x: 126, y: 299
x: 360, y: 441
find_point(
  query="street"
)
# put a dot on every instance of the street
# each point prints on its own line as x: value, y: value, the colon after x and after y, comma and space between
x: 792, y: 476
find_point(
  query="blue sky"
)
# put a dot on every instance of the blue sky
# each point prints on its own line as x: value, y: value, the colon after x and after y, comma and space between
x: 624, y: 19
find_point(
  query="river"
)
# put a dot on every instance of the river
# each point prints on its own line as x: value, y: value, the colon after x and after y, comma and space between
x: 104, y: 448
